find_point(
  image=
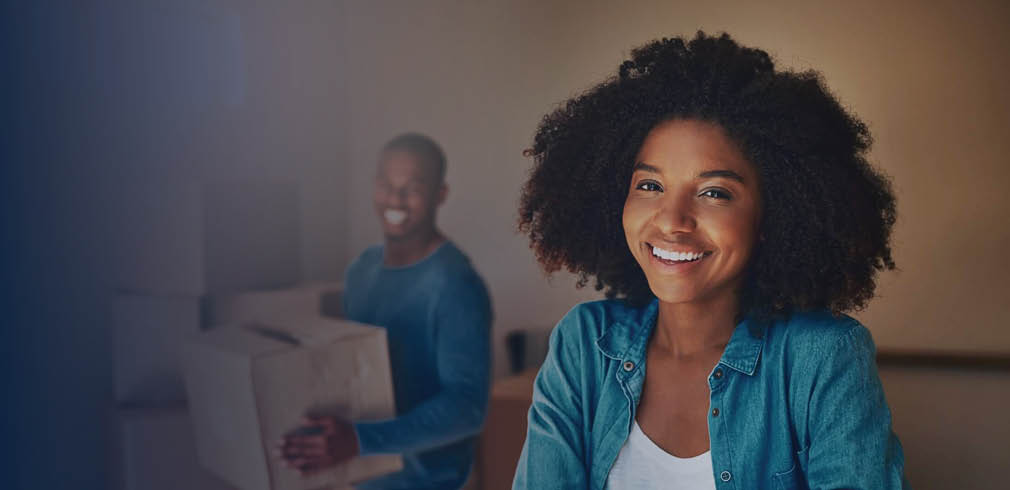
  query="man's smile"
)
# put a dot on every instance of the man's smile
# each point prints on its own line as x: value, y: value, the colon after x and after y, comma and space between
x: 395, y: 216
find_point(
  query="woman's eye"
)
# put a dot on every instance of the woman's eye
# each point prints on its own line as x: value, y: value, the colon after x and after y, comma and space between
x: 716, y: 194
x: 649, y: 186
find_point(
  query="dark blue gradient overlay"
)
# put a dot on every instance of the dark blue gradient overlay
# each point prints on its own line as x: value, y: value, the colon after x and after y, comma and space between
x: 96, y: 97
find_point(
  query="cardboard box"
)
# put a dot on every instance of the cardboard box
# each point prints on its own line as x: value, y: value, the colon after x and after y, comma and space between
x: 156, y: 451
x: 149, y: 331
x: 222, y: 237
x: 249, y: 384
x: 505, y: 430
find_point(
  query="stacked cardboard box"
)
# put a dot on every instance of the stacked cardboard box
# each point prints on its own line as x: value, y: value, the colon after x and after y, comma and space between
x: 155, y: 449
x: 193, y: 257
x: 196, y: 239
x: 184, y: 250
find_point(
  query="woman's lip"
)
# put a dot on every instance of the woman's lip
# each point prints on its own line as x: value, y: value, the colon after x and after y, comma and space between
x: 675, y: 267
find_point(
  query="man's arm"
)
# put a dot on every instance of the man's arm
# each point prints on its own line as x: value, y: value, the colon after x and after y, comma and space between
x: 463, y: 347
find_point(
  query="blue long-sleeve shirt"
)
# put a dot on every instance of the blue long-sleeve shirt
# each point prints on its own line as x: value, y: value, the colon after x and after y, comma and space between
x: 437, y: 315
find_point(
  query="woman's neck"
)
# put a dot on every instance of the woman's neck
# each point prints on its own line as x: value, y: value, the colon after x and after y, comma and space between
x: 686, y: 330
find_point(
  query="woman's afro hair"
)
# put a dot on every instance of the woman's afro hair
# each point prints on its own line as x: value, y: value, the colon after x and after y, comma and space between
x: 827, y: 217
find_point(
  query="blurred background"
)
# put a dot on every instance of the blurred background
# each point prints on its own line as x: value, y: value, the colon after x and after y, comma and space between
x: 203, y: 127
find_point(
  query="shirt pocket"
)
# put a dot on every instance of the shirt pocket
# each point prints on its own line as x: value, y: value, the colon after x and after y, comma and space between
x: 792, y: 479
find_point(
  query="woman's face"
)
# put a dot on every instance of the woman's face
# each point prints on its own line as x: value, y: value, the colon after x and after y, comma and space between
x: 692, y: 213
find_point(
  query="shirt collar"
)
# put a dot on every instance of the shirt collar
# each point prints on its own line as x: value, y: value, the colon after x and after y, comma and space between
x: 628, y: 330
x: 744, y: 348
x: 626, y: 327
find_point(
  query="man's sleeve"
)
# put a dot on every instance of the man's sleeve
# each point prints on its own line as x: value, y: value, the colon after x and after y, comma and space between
x: 463, y: 346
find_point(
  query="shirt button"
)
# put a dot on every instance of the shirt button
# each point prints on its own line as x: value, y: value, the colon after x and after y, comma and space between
x: 715, y: 412
x: 628, y: 365
x: 718, y: 373
x: 725, y: 476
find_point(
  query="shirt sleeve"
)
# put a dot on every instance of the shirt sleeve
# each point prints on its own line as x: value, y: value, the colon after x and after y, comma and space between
x: 463, y: 346
x: 552, y: 456
x: 851, y: 442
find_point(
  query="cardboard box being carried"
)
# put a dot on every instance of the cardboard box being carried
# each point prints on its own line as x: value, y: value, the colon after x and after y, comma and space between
x: 249, y: 384
x: 149, y: 331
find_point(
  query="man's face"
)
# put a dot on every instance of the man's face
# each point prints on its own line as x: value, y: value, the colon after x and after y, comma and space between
x: 407, y: 194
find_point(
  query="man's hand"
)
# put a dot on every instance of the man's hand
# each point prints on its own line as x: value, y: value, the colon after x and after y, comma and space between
x: 320, y: 443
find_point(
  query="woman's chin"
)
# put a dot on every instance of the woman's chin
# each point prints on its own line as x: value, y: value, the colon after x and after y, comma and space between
x: 674, y: 294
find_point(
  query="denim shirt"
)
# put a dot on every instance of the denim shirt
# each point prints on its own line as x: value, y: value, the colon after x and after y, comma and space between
x: 800, y: 403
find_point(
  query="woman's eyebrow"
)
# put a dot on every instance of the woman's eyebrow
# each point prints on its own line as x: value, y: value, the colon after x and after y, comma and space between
x: 645, y: 167
x: 727, y: 174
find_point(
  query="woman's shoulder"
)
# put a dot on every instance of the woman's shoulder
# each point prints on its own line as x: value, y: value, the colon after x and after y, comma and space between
x: 595, y: 318
x: 819, y: 333
x: 608, y: 325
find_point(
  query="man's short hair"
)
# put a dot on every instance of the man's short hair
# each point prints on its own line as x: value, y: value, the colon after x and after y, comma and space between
x: 423, y: 147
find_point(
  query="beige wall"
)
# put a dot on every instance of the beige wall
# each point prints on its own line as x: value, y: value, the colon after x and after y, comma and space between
x: 928, y: 78
x: 952, y: 424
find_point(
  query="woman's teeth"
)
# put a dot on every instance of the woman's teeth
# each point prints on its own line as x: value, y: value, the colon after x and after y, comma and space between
x: 394, y: 216
x: 677, y: 256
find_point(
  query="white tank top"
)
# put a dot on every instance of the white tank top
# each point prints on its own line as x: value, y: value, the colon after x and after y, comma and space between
x: 642, y: 464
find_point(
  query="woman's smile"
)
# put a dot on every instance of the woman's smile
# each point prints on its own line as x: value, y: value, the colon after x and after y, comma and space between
x: 676, y: 260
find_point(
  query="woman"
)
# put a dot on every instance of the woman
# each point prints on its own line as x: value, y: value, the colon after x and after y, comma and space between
x: 728, y: 210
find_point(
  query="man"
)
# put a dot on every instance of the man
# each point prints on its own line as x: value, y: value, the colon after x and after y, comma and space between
x: 437, y: 313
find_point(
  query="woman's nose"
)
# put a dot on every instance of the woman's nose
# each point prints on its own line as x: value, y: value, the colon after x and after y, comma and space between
x: 676, y: 215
